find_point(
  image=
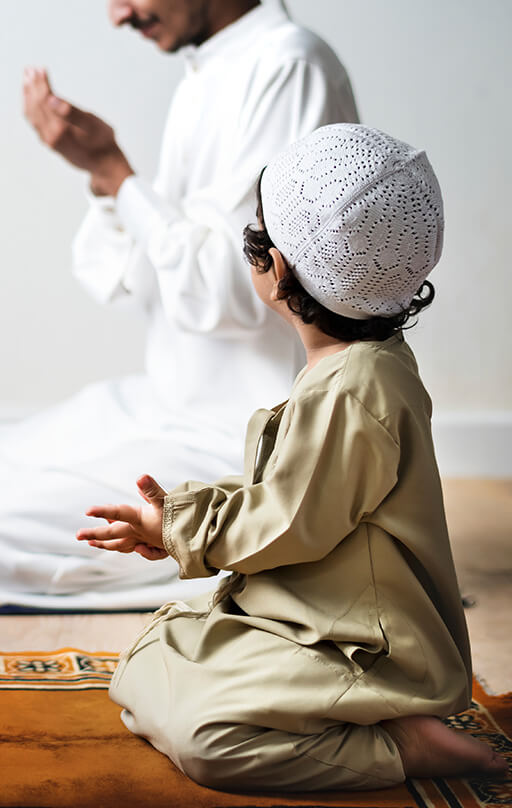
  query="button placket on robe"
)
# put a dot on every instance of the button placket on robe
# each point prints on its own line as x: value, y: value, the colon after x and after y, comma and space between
x: 263, y: 424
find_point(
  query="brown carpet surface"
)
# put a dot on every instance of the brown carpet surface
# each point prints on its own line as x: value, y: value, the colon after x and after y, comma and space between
x: 63, y: 745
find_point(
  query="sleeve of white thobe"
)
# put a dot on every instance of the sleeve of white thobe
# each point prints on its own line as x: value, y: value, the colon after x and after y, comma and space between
x: 335, y: 466
x: 194, y: 248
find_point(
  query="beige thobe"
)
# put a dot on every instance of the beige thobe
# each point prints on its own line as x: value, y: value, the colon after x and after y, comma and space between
x: 344, y: 609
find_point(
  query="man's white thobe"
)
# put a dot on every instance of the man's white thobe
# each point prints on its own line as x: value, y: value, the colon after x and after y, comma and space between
x: 214, y: 352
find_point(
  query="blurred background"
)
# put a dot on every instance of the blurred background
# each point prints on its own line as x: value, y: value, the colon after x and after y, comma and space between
x: 436, y: 73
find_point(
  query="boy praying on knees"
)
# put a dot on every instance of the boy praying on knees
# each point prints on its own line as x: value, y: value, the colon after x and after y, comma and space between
x: 328, y: 657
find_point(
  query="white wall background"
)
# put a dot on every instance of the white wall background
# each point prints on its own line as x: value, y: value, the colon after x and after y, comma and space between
x: 436, y: 73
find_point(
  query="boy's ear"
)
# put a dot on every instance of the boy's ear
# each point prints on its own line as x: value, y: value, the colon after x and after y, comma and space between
x: 278, y: 269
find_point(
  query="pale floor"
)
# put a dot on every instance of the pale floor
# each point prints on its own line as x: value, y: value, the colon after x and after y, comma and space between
x: 480, y: 520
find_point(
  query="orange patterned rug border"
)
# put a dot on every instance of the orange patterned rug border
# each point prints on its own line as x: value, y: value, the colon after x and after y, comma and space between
x: 64, y: 669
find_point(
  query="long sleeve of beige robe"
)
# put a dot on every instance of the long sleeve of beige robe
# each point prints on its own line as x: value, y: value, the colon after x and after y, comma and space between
x: 332, y: 465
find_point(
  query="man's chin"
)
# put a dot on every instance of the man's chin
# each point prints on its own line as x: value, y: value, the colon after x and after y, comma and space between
x: 167, y: 47
x: 170, y: 48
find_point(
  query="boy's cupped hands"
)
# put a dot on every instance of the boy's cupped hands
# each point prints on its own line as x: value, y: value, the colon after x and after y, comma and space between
x: 131, y: 529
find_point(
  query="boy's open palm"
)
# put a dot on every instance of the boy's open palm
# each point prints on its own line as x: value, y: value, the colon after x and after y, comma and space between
x: 131, y: 529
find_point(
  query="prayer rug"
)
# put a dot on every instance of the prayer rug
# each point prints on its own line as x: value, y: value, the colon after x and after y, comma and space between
x: 63, y: 745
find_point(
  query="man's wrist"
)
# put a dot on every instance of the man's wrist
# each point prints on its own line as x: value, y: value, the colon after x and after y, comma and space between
x: 109, y: 174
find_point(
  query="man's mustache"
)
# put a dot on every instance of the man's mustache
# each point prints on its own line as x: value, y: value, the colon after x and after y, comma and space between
x: 138, y: 24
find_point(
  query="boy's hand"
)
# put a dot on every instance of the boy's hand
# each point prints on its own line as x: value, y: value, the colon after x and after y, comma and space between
x: 131, y: 529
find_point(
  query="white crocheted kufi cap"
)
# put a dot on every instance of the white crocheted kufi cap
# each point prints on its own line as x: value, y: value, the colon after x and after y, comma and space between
x: 358, y: 216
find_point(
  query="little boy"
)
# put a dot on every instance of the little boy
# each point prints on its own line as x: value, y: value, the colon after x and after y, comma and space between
x: 328, y: 657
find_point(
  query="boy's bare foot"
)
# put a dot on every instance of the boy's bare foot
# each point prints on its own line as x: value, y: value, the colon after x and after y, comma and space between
x: 428, y: 748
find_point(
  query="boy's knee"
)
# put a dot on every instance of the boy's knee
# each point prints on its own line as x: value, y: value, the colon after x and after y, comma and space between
x: 205, y: 753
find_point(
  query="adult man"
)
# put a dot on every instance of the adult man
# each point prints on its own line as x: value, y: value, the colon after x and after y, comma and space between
x: 254, y: 82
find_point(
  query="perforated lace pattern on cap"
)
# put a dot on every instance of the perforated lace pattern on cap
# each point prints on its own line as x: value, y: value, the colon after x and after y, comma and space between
x: 358, y: 215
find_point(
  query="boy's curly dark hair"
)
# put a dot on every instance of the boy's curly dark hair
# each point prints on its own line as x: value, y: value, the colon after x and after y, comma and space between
x: 257, y: 244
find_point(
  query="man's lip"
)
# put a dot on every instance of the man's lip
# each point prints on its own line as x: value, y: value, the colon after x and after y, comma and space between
x: 148, y: 29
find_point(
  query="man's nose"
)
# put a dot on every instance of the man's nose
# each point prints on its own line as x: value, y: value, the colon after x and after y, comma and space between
x: 119, y: 11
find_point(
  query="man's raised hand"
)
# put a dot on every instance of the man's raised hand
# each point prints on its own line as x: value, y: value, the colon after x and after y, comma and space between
x: 82, y: 138
x: 131, y: 529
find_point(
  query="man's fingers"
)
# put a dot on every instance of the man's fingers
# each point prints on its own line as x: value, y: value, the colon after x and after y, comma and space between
x: 39, y: 97
x: 36, y: 87
x: 59, y: 106
x: 69, y: 113
x: 151, y: 490
x: 29, y: 74
x: 35, y: 93
x: 39, y: 107
x: 42, y: 81
x: 37, y: 79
